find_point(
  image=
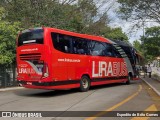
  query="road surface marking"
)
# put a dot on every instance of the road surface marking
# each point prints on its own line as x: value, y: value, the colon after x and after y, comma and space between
x: 150, y: 108
x: 155, y: 90
x: 115, y: 106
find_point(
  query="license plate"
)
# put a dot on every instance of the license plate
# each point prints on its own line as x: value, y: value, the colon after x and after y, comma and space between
x: 29, y: 83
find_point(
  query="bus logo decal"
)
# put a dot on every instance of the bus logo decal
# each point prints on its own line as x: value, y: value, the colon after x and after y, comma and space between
x: 103, y: 68
x: 26, y: 70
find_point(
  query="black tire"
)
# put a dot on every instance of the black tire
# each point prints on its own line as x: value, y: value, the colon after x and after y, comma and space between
x: 129, y: 80
x: 84, y: 84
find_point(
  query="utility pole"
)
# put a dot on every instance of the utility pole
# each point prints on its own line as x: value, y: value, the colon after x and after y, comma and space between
x: 143, y: 42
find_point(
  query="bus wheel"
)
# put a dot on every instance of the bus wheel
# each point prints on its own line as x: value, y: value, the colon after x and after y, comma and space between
x: 128, y: 80
x: 84, y: 84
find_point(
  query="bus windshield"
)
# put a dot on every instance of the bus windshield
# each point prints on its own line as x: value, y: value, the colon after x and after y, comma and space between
x: 31, y: 36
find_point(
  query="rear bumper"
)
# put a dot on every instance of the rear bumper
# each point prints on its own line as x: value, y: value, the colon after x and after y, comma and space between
x: 50, y: 85
x: 55, y: 83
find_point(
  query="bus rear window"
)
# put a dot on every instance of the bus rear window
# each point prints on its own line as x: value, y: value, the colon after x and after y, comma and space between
x: 31, y: 37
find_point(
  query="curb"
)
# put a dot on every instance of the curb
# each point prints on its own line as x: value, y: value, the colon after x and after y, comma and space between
x: 8, y: 89
x: 152, y: 87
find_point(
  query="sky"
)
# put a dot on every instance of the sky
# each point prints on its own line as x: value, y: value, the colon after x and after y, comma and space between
x: 133, y: 34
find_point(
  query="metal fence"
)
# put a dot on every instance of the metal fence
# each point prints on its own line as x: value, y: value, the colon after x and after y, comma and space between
x: 7, y: 78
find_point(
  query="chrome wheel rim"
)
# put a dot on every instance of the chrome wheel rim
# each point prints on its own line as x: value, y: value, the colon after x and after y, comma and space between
x: 84, y: 83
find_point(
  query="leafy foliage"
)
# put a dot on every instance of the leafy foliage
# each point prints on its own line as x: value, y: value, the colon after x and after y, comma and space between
x: 2, y: 11
x: 117, y: 34
x: 151, y: 42
x: 140, y: 9
x: 137, y: 46
x: 51, y: 13
x: 8, y: 33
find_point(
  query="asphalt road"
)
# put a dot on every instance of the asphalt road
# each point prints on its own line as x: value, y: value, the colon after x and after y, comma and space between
x: 114, y: 97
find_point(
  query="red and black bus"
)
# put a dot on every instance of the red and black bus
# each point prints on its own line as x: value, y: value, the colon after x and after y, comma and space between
x: 50, y: 58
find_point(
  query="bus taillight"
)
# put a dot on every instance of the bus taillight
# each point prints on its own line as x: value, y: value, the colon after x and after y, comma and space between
x: 45, y: 72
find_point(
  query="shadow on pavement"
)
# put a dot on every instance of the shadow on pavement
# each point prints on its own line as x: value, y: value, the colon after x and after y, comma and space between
x: 53, y: 93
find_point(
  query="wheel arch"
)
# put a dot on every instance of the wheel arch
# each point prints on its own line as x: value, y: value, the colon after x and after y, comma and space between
x: 87, y: 76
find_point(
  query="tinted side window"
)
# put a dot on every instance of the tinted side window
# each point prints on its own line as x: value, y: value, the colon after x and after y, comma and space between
x: 111, y: 51
x: 80, y: 46
x: 62, y: 42
x: 98, y: 48
x: 76, y: 45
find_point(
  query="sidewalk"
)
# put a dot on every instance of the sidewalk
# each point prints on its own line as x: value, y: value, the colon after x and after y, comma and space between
x: 10, y: 88
x: 154, y: 84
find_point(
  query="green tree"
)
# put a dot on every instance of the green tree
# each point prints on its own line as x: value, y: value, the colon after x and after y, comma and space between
x: 151, y: 42
x: 81, y: 16
x: 116, y: 34
x: 140, y: 9
x: 2, y: 12
x: 137, y: 45
x: 52, y: 13
x: 8, y: 34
